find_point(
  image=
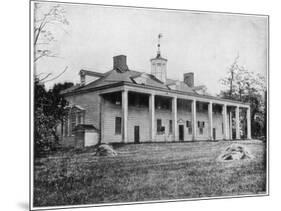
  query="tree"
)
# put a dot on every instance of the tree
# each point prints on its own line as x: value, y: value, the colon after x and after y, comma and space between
x: 49, y: 106
x: 243, y: 85
x: 47, y: 21
x: 49, y: 111
x: 229, y: 80
x: 43, y: 35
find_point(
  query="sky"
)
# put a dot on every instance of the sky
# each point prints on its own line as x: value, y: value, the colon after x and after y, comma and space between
x: 203, y: 43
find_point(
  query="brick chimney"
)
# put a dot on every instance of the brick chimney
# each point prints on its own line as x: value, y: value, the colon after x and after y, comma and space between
x: 120, y: 63
x: 188, y: 79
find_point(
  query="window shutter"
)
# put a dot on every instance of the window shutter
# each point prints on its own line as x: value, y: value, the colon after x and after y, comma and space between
x: 118, y: 122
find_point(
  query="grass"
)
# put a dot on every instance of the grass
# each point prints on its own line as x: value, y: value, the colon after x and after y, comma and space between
x: 142, y: 172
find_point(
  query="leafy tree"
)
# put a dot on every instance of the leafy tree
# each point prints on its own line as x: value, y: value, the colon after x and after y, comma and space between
x: 243, y: 85
x: 49, y: 111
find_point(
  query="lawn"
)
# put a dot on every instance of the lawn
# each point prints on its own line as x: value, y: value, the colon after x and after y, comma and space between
x: 152, y: 171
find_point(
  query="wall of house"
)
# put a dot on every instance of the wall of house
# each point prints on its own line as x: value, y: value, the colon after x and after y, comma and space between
x: 109, y: 112
x: 182, y: 117
x: 140, y: 116
x: 137, y: 116
x: 203, y: 117
x: 165, y: 115
x: 91, y: 103
x: 217, y: 124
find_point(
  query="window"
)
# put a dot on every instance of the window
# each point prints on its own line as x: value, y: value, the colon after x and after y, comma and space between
x: 160, y: 128
x: 170, y: 126
x: 188, y: 123
x: 201, y: 124
x: 118, y: 123
x: 159, y: 125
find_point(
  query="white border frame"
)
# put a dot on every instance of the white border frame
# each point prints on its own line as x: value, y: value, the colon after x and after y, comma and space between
x: 31, y: 14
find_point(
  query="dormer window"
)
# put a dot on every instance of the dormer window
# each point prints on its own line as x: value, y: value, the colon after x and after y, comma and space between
x: 141, y: 79
x: 87, y: 76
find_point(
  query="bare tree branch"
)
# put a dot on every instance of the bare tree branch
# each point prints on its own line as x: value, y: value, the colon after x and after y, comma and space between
x: 55, y: 16
x: 65, y: 69
x: 40, y: 80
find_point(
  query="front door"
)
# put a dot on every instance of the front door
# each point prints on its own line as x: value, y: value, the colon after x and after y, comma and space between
x: 214, y: 133
x: 137, y: 134
x: 181, y: 133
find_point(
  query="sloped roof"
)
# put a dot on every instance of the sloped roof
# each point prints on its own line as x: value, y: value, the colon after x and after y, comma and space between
x: 92, y: 73
x: 180, y: 85
x: 114, y: 76
x: 75, y: 106
x: 85, y: 127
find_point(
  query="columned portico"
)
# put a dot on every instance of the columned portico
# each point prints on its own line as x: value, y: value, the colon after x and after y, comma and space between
x: 125, y: 116
x: 214, y: 122
x: 237, y: 122
x: 175, y: 120
x: 210, y: 115
x: 193, y: 113
x: 152, y: 116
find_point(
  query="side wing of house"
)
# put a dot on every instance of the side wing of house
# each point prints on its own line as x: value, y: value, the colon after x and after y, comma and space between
x: 85, y: 109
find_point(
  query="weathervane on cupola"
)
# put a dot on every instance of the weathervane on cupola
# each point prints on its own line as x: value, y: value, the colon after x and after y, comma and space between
x: 159, y: 64
x: 158, y: 52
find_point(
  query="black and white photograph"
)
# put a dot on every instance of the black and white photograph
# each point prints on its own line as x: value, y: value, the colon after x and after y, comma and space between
x: 143, y: 105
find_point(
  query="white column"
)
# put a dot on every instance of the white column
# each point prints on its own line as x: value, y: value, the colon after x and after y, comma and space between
x: 175, y: 114
x: 69, y: 124
x: 101, y: 137
x: 230, y: 125
x: 237, y: 122
x: 210, y: 112
x: 224, y: 117
x: 76, y: 118
x: 125, y: 116
x: 249, y: 123
x: 152, y: 116
x: 194, y: 121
